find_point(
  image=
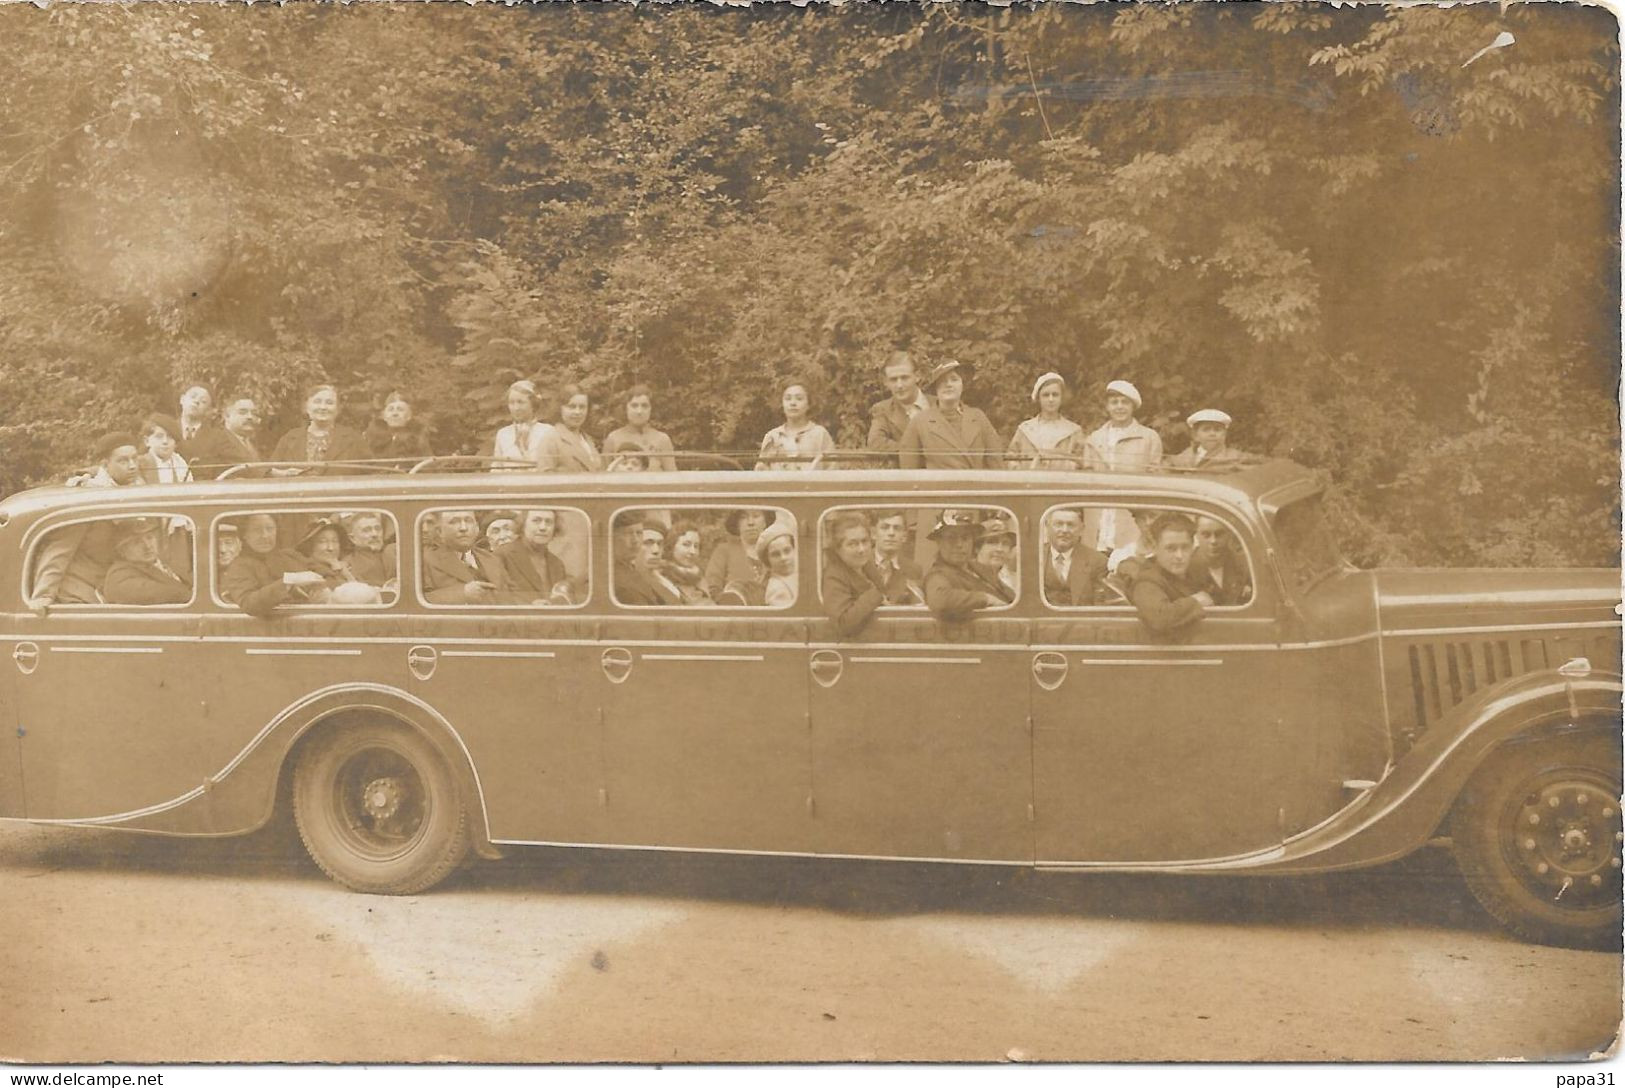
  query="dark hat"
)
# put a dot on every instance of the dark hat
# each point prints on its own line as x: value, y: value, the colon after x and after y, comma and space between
x: 107, y: 443
x: 993, y: 527
x: 227, y: 527
x: 127, y: 528
x: 308, y: 543
x: 953, y: 519
x: 730, y: 521
x: 628, y: 519
x: 168, y: 423
x: 493, y: 516
x: 943, y: 369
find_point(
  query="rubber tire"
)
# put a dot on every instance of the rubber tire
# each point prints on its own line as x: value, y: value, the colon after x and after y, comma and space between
x: 1505, y: 777
x: 441, y: 842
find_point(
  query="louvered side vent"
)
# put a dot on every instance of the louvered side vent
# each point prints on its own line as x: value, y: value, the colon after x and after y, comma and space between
x: 1446, y: 674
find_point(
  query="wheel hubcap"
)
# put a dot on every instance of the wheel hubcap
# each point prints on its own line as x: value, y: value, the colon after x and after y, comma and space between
x: 1565, y: 840
x: 382, y: 804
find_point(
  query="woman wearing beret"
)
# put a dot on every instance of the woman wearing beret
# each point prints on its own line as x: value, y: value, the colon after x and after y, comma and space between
x: 1049, y: 431
x: 950, y: 433
x: 1121, y: 444
x: 521, y: 440
x: 776, y: 554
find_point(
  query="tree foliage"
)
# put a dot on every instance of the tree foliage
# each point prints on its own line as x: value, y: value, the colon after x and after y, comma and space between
x: 1385, y: 264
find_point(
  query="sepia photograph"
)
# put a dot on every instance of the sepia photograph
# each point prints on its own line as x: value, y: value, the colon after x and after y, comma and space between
x: 700, y: 533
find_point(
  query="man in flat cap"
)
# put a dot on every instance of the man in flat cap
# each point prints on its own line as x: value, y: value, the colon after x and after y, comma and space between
x: 1209, y: 430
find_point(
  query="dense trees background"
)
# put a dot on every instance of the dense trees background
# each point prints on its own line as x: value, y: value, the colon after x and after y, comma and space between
x: 1386, y: 265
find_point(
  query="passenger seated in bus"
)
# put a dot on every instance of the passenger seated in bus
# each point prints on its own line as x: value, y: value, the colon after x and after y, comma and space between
x: 776, y: 552
x: 1218, y: 565
x: 995, y: 549
x: 654, y: 558
x: 733, y: 560
x: 891, y: 539
x: 532, y: 569
x: 138, y: 575
x: 455, y: 571
x: 1125, y: 561
x: 228, y: 544
x: 372, y: 559
x: 73, y: 560
x: 1073, y: 575
x: 956, y: 588
x: 681, y: 563
x: 1162, y: 592
x: 328, y: 549
x: 501, y: 528
x: 853, y: 584
x: 629, y: 579
x: 264, y: 576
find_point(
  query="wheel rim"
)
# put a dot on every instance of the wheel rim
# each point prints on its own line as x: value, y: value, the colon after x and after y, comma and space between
x: 1561, y: 832
x: 381, y: 803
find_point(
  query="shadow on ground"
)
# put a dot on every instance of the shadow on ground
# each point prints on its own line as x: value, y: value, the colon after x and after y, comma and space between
x: 1424, y: 890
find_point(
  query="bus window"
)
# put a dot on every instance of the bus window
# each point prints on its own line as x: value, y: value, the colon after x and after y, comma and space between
x: 133, y: 560
x: 270, y: 560
x: 901, y: 546
x: 1075, y: 575
x: 705, y: 557
x: 504, y: 557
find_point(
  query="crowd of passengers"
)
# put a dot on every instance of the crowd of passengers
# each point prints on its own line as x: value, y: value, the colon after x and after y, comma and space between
x: 267, y: 560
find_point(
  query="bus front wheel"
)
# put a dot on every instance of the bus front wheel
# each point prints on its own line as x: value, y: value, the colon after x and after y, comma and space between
x: 378, y: 808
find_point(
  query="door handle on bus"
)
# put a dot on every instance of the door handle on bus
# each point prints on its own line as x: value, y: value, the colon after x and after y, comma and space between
x: 1049, y: 669
x: 617, y: 664
x: 826, y: 666
x: 422, y: 660
x: 26, y: 655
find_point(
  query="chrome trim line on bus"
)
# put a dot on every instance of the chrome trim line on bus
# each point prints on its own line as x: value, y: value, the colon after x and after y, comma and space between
x: 703, y: 657
x: 1382, y: 679
x: 1498, y: 628
x: 916, y: 660
x: 150, y: 810
x: 107, y: 649
x: 1577, y: 595
x: 1153, y: 661
x: 498, y: 653
x: 286, y: 652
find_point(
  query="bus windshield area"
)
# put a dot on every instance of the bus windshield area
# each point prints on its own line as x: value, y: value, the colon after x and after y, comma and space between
x: 1309, y: 551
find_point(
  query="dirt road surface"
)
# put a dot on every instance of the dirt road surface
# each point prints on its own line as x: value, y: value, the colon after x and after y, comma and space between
x: 140, y: 949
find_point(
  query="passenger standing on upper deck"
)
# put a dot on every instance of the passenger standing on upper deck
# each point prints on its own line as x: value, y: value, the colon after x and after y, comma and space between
x: 950, y: 433
x: 322, y: 438
x: 521, y: 440
x: 1121, y: 444
x: 1049, y: 431
x: 798, y: 441
x: 733, y: 560
x: 196, y: 405
x: 889, y: 418
x: 853, y: 585
x: 73, y: 560
x: 161, y: 464
x: 566, y: 447
x: 264, y: 576
x: 651, y: 447
x: 1165, y: 598
x: 1210, y: 429
x: 956, y: 588
x: 217, y: 447
x: 395, y: 433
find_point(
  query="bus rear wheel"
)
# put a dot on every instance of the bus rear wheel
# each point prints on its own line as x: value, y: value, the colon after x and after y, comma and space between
x: 1538, y: 837
x: 378, y: 808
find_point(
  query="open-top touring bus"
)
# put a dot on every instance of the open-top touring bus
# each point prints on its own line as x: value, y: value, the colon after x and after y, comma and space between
x: 1323, y: 718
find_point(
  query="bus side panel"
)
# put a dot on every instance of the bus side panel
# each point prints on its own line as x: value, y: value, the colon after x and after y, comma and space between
x: 12, y: 801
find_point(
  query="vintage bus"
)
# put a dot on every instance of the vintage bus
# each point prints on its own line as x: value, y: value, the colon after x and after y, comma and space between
x: 1324, y: 718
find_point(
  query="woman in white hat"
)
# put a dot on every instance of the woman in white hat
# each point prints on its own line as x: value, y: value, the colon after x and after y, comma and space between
x: 1047, y: 432
x: 776, y: 552
x: 1209, y: 430
x: 950, y: 433
x: 521, y: 440
x: 1121, y: 444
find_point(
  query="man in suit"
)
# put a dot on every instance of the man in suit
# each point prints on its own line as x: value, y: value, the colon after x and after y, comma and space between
x: 1072, y: 575
x: 197, y: 404
x: 74, y: 560
x: 1166, y: 597
x: 214, y: 448
x: 629, y: 580
x: 891, y: 542
x: 372, y: 559
x: 889, y: 418
x: 530, y: 565
x: 455, y: 572
x: 139, y: 576
x: 264, y: 576
x: 1218, y: 566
